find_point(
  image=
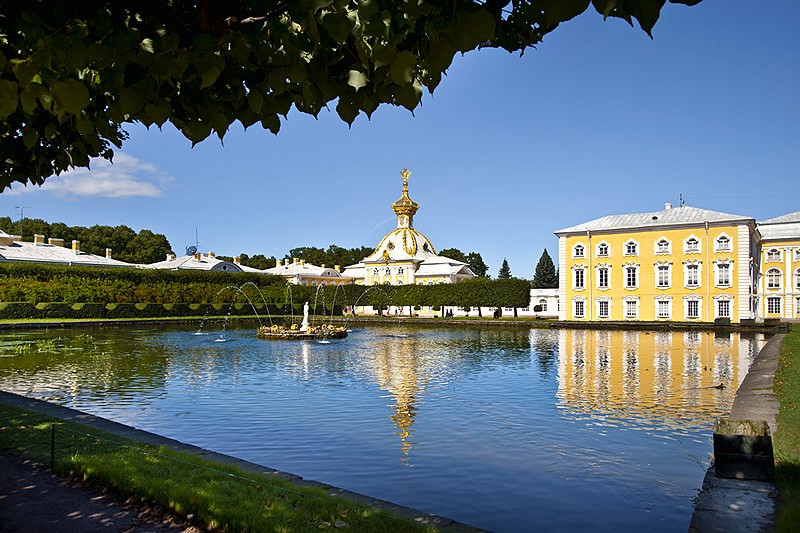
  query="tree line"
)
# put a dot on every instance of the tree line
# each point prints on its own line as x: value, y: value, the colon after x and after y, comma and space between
x: 126, y: 244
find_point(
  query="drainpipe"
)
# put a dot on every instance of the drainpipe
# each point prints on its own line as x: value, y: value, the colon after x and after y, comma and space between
x: 590, y: 275
x: 709, y: 277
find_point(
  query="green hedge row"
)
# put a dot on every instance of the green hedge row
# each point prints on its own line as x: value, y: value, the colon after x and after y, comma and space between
x: 26, y: 310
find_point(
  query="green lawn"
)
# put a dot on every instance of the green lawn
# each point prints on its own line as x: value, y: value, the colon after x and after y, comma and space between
x: 219, y: 496
x: 787, y: 439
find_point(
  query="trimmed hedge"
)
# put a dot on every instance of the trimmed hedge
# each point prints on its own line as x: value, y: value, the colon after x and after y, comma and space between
x: 56, y: 310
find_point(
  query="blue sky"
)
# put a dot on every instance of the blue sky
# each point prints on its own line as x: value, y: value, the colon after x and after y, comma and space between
x: 598, y: 120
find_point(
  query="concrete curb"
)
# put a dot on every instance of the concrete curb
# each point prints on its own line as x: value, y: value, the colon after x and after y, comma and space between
x: 115, y: 428
x: 731, y: 505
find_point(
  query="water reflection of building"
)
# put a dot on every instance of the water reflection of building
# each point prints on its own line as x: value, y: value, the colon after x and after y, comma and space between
x: 396, y: 368
x: 665, y: 377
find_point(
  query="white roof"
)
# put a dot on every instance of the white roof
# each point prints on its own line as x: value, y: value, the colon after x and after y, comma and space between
x: 783, y: 219
x: 20, y: 251
x: 293, y: 270
x: 402, y: 244
x: 781, y: 228
x: 442, y: 266
x: 675, y: 216
x: 189, y: 262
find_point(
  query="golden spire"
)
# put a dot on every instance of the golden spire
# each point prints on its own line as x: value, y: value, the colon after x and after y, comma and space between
x: 405, y: 207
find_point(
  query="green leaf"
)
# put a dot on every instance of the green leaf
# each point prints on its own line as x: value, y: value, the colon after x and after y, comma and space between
x: 356, y: 79
x: 383, y: 54
x: 403, y: 68
x: 30, y: 137
x: 338, y: 25
x: 71, y: 95
x: 347, y: 110
x: 482, y: 25
x: 131, y: 101
x: 147, y: 45
x: 9, y: 97
x: 255, y: 101
x: 157, y: 113
x: 558, y: 11
x: 272, y: 123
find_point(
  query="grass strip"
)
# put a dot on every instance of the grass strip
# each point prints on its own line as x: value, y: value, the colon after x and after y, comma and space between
x: 219, y: 496
x: 787, y: 439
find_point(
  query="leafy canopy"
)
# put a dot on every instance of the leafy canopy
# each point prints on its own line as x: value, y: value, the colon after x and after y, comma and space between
x: 73, y: 73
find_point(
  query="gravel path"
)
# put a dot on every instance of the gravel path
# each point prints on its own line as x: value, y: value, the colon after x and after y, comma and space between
x: 32, y: 499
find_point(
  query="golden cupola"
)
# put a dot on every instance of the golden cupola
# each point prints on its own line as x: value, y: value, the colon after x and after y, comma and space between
x: 405, y: 207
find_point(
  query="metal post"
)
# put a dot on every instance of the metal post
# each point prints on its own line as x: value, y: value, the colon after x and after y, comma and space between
x: 53, y: 447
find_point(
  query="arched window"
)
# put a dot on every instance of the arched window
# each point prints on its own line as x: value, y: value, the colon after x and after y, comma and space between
x: 543, y: 304
x: 773, y: 278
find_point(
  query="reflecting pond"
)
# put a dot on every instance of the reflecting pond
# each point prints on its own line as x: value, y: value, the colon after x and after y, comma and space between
x: 505, y: 429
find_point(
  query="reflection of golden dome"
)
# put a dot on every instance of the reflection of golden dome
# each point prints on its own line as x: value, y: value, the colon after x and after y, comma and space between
x: 405, y: 206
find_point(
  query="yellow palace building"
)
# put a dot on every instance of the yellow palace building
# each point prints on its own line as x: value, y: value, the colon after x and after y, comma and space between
x: 406, y: 256
x: 779, y: 280
x: 682, y: 264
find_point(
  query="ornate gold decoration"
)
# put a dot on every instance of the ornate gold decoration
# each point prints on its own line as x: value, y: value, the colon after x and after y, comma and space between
x: 405, y: 206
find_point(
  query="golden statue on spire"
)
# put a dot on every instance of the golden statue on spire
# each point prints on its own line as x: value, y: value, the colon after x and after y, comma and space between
x: 405, y: 173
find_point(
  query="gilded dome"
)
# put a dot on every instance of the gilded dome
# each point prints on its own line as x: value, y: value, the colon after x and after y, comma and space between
x: 403, y: 244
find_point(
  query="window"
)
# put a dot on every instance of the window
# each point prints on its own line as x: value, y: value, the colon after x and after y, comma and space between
x: 578, y: 251
x: 692, y: 245
x: 774, y: 305
x: 662, y: 246
x: 579, y: 279
x: 631, y: 280
x: 692, y: 275
x: 631, y: 309
x: 602, y: 278
x: 400, y: 271
x: 723, y: 275
x: 773, y: 278
x: 662, y: 308
x: 797, y: 279
x: 388, y: 271
x: 631, y: 248
x: 602, y: 309
x: 662, y: 277
x: 579, y: 308
x: 375, y: 272
x: 692, y: 309
x: 723, y: 308
x: 543, y: 304
x: 602, y: 250
x: 723, y: 243
x: 773, y: 255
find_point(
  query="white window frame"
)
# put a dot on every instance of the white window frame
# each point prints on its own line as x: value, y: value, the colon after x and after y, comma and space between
x: 578, y: 251
x: 543, y: 304
x: 687, y: 267
x: 663, y: 266
x: 600, y: 245
x: 797, y: 279
x: 773, y: 255
x: 634, y: 303
x: 667, y: 246
x: 626, y: 278
x: 687, y: 249
x: 724, y: 266
x: 599, y: 277
x: 579, y: 304
x: 770, y: 300
x: 578, y: 274
x: 663, y: 303
x: 628, y: 245
x: 721, y: 300
x: 692, y: 300
x: 603, y: 302
x: 721, y: 238
x: 774, y: 279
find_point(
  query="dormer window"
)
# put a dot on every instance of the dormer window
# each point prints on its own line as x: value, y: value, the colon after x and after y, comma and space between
x: 602, y: 249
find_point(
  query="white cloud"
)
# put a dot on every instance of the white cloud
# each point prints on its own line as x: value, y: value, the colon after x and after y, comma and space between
x: 127, y: 177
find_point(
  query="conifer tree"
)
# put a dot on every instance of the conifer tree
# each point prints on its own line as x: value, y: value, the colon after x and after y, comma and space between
x: 505, y: 270
x: 545, y: 276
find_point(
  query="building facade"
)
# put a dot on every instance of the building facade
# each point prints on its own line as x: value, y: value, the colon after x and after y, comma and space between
x: 681, y: 264
x: 406, y: 256
x: 779, y: 272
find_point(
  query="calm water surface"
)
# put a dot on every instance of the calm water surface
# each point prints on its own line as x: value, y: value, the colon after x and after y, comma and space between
x: 505, y: 429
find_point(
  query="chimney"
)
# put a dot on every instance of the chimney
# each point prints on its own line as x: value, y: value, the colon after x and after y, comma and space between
x: 286, y: 262
x: 212, y: 254
x: 108, y: 253
x: 302, y: 262
x: 237, y: 260
x: 337, y: 268
x: 322, y: 265
x: 55, y: 242
x: 295, y: 260
x: 76, y: 246
x: 38, y: 239
x: 170, y: 257
x: 197, y: 256
x: 667, y: 206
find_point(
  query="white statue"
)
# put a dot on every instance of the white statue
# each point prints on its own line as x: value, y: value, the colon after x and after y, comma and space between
x: 304, y: 325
